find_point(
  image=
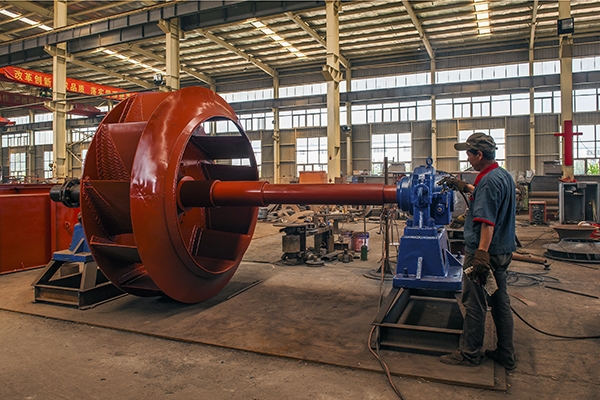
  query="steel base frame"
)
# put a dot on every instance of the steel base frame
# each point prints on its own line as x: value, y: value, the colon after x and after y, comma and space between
x: 419, y: 321
x: 85, y: 288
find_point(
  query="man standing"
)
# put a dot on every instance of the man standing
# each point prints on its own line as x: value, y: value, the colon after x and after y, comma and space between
x: 489, y: 242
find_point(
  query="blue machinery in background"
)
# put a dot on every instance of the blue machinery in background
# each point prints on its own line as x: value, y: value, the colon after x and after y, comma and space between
x: 421, y: 312
x: 424, y: 258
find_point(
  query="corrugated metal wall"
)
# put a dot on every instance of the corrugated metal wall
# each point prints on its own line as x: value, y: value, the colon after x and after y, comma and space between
x: 546, y: 144
x: 421, y: 142
x: 517, y: 143
x: 447, y: 135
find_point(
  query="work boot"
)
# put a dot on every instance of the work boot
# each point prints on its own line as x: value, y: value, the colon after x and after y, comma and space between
x: 494, y: 355
x: 456, y: 358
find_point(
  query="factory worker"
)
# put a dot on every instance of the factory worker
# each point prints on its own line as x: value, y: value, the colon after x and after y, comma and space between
x: 489, y: 233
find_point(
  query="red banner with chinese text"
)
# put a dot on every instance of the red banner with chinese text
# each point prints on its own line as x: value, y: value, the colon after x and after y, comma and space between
x: 41, y: 79
x: 35, y: 103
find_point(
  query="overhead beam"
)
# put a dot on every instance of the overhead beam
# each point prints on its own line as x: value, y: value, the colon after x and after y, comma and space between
x: 198, y: 75
x: 71, y: 58
x: 34, y: 8
x: 304, y: 26
x: 533, y: 25
x: 233, y: 49
x: 417, y: 23
x: 140, y: 25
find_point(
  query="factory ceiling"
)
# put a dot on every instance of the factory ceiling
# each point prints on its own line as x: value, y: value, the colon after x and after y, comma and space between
x: 120, y: 44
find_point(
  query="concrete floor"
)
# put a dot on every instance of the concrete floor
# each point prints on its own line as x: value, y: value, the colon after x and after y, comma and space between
x: 45, y: 358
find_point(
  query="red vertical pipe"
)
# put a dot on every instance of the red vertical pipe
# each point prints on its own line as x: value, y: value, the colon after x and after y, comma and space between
x: 568, y: 138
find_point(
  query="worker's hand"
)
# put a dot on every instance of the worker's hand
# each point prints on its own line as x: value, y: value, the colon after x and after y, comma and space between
x: 454, y: 183
x: 480, y: 267
x: 480, y: 272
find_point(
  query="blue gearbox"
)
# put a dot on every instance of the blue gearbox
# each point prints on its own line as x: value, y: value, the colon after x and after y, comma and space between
x: 424, y: 258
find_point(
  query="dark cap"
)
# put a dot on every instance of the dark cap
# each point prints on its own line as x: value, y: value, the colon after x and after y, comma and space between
x: 477, y: 141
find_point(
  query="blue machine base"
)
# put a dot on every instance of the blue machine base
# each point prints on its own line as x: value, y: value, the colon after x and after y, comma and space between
x: 69, y: 256
x: 452, y: 282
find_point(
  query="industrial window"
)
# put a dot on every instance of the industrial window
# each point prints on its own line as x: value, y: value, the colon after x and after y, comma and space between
x: 482, y: 106
x: 546, y: 67
x: 44, y: 137
x: 586, y: 144
x: 82, y: 135
x: 83, y: 156
x: 308, y: 118
x: 462, y: 107
x: 43, y: 117
x: 15, y: 140
x: 248, y: 95
x: 343, y: 116
x: 482, y: 73
x: 586, y: 64
x: 501, y: 105
x: 48, y: 162
x: 359, y: 114
x: 17, y: 165
x: 256, y: 147
x: 519, y: 104
x: 443, y: 109
x: 499, y: 138
x: 256, y: 121
x: 20, y: 120
x: 395, y: 146
x: 393, y: 81
x: 408, y: 111
x: 311, y: 154
x: 226, y: 126
x: 586, y: 100
x: 391, y: 112
x: 303, y: 90
x: 546, y: 102
x: 586, y: 150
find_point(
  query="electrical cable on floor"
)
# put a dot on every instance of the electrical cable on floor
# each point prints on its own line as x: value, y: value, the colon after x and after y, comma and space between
x: 534, y: 280
x: 553, y: 334
x: 377, y: 354
x: 514, y: 278
x: 382, y: 363
x: 537, y: 238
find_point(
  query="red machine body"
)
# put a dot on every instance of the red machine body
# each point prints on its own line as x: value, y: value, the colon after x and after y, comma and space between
x: 32, y: 227
x: 163, y: 209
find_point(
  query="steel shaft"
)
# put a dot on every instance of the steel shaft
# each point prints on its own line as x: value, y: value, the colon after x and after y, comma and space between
x: 195, y: 193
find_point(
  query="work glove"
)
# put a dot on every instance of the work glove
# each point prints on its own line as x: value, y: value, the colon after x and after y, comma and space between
x: 480, y: 272
x: 454, y: 183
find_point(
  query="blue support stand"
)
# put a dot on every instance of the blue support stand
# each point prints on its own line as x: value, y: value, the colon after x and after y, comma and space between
x: 78, y: 251
x: 421, y: 312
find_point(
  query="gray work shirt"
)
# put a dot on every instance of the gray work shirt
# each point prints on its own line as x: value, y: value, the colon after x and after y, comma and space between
x: 492, y: 202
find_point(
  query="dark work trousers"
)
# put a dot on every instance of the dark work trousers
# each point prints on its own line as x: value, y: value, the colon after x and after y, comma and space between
x: 475, y: 300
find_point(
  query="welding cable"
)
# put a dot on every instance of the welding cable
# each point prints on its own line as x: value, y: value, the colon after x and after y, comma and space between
x: 552, y: 334
x: 461, y: 193
x: 377, y: 354
x: 382, y: 363
x: 537, y: 238
x: 513, y: 278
